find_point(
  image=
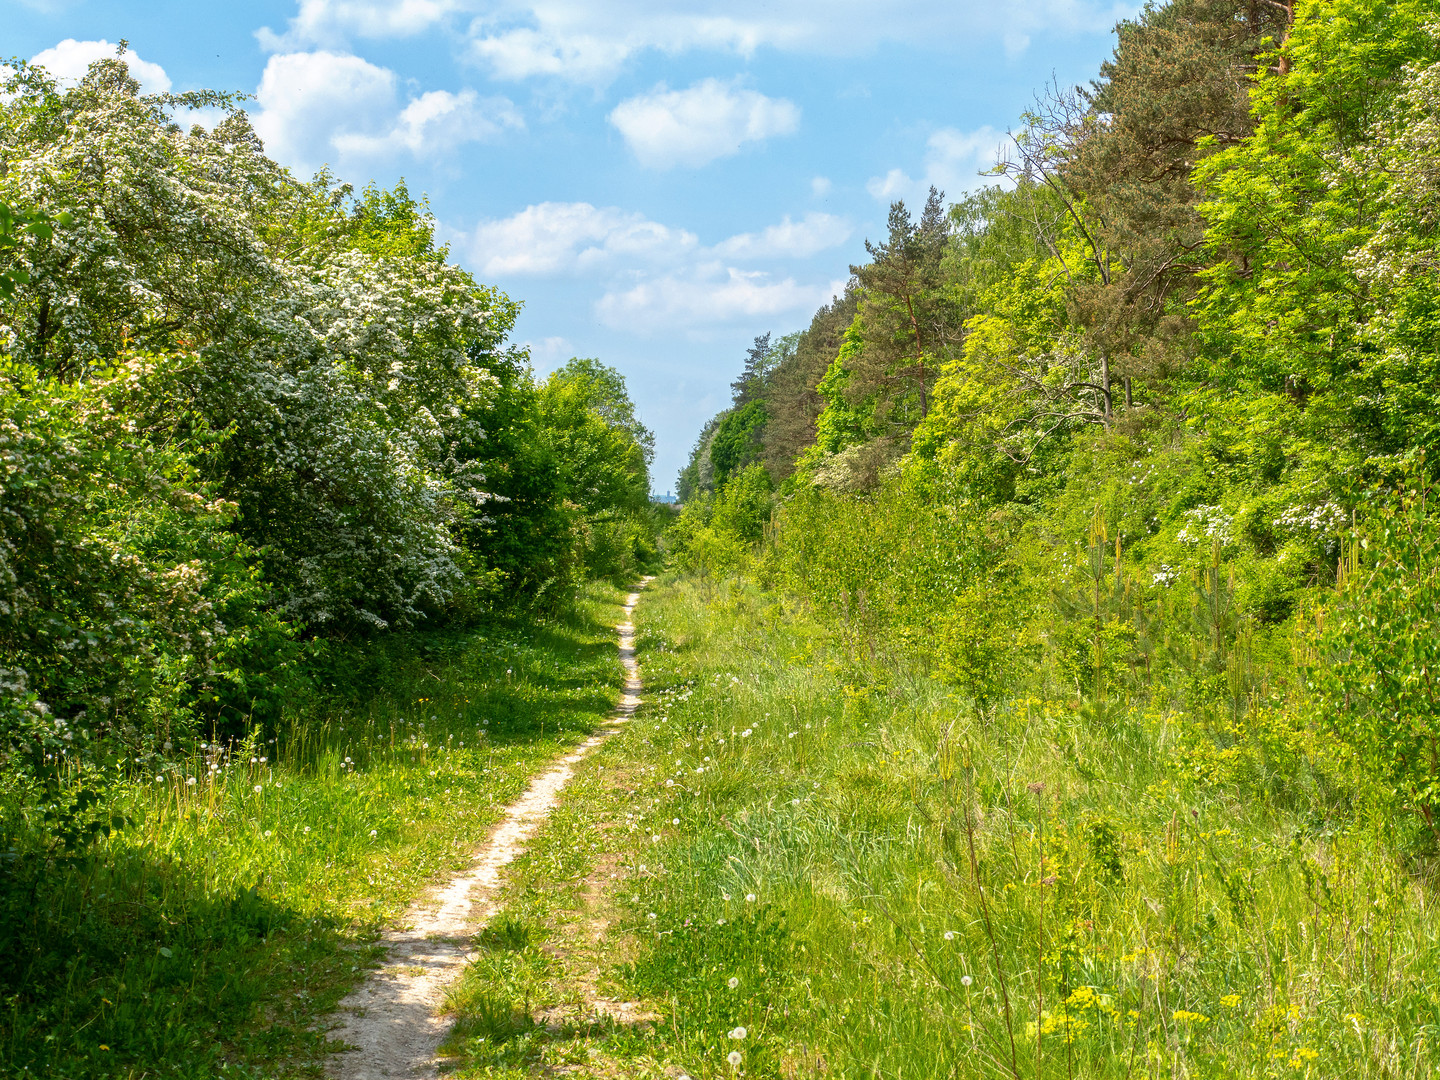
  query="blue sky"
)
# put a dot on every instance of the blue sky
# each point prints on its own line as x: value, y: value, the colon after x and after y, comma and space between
x: 659, y: 183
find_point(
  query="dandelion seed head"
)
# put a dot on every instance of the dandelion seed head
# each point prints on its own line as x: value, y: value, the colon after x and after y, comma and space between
x: 949, y: 935
x: 734, y: 1057
x: 750, y: 898
x: 966, y: 980
x: 734, y: 983
x: 190, y: 781
x: 738, y: 1033
x: 259, y: 787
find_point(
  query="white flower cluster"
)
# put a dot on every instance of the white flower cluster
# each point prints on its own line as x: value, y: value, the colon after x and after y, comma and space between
x: 1206, y: 523
x: 1325, y: 518
x: 345, y: 370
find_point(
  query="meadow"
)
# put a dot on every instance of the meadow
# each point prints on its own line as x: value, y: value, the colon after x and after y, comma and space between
x: 808, y: 859
x: 231, y: 895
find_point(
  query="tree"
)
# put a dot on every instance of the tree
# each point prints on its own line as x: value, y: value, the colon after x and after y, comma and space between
x: 792, y: 400
x: 737, y: 440
x: 758, y: 366
x: 1308, y: 217
x: 603, y: 454
x: 906, y: 319
x: 1116, y: 159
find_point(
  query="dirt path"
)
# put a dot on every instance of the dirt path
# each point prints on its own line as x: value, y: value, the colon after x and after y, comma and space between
x: 392, y: 1020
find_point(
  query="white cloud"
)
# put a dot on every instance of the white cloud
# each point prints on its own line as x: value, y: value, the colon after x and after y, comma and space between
x: 322, y: 108
x: 522, y: 53
x: 710, y: 295
x: 334, y: 22
x: 670, y: 281
x: 549, y: 353
x: 709, y: 120
x: 789, y: 239
x: 953, y: 163
x: 551, y: 238
x: 588, y: 42
x: 435, y: 121
x: 820, y: 186
x: 70, y: 60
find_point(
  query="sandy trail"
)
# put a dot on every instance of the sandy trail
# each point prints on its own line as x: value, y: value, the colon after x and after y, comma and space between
x: 391, y: 1020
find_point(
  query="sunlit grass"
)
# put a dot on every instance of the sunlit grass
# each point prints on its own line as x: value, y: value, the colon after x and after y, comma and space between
x: 212, y: 934
x: 900, y: 886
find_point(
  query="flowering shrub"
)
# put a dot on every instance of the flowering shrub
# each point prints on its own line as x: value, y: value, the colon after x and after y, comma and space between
x: 244, y: 409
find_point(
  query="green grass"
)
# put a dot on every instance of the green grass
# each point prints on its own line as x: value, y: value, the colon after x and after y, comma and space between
x: 1044, y: 889
x: 209, y: 938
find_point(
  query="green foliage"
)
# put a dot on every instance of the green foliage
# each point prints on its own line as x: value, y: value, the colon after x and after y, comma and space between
x: 16, y: 224
x: 735, y: 443
x: 1376, y: 649
x: 244, y: 411
x: 718, y: 534
x: 130, y: 605
x: 1293, y: 212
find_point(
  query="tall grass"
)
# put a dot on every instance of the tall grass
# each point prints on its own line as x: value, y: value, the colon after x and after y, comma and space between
x: 903, y: 885
x: 209, y: 936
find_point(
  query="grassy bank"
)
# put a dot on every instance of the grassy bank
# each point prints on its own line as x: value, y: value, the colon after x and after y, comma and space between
x: 209, y: 936
x: 835, y: 854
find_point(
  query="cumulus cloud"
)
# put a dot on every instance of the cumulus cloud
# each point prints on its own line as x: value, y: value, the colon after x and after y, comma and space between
x: 711, y: 295
x: 552, y: 237
x: 586, y: 42
x: 323, y: 107
x: 435, y: 121
x: 954, y: 161
x: 789, y: 239
x: 711, y: 119
x: 522, y: 53
x: 669, y: 279
x: 70, y: 60
x: 335, y: 22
